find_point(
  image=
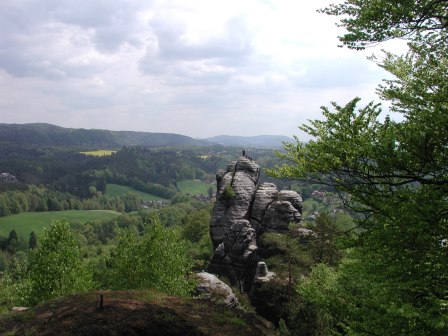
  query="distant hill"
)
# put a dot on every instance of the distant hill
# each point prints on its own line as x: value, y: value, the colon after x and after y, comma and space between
x: 259, y: 141
x: 40, y: 134
x: 51, y: 135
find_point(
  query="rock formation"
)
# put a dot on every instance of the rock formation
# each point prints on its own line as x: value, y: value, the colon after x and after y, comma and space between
x: 262, y: 274
x: 242, y: 212
x: 7, y: 178
x: 209, y: 286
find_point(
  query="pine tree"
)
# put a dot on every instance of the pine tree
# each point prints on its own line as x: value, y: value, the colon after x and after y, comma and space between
x: 32, y: 243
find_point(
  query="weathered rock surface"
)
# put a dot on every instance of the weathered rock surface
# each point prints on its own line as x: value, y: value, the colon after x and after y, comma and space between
x: 278, y: 217
x: 242, y: 177
x: 264, y: 197
x: 211, y: 287
x: 7, y: 178
x: 262, y: 274
x: 242, y: 212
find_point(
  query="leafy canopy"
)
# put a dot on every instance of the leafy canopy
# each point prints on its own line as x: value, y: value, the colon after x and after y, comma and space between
x: 393, y: 171
x: 369, y: 22
x: 157, y: 259
x: 56, y: 267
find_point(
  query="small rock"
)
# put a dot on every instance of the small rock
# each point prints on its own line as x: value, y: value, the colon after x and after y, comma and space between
x: 262, y: 274
x: 211, y: 287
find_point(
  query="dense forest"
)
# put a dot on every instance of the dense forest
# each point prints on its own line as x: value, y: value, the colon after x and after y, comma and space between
x: 39, y: 134
x: 51, y: 135
x: 71, y: 177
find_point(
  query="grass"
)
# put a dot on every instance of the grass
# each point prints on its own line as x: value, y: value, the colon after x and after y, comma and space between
x: 229, y: 317
x: 194, y: 187
x: 26, y: 222
x: 100, y: 152
x: 114, y: 190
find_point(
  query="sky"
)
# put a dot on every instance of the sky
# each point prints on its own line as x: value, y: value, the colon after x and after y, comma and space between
x: 194, y: 67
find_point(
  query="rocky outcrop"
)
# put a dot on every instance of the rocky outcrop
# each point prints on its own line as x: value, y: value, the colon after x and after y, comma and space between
x: 242, y: 212
x: 235, y: 189
x: 210, y: 287
x: 262, y: 274
x: 134, y: 313
x: 7, y: 178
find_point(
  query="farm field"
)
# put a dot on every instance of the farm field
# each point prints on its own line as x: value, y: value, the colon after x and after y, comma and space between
x: 113, y: 190
x: 195, y: 187
x: 100, y: 152
x: 26, y: 222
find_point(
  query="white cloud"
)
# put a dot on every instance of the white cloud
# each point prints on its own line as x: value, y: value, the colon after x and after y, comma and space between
x: 239, y: 67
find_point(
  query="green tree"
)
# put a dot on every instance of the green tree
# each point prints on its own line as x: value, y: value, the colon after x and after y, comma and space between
x: 320, y: 297
x: 41, y: 206
x: 4, y: 262
x: 13, y: 242
x: 132, y: 202
x: 12, y: 236
x: 195, y: 225
x: 53, y: 204
x: 195, y: 230
x: 32, y: 242
x: 323, y: 244
x: 393, y: 172
x: 157, y: 259
x: 397, y: 178
x: 23, y: 201
x: 370, y: 22
x: 3, y: 242
x: 4, y: 210
x: 228, y: 194
x: 14, y: 205
x: 75, y: 204
x: 180, y: 198
x: 56, y: 267
x: 13, y: 282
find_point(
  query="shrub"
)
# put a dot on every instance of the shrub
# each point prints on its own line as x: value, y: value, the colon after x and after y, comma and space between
x: 228, y: 193
x: 55, y: 267
x: 157, y: 259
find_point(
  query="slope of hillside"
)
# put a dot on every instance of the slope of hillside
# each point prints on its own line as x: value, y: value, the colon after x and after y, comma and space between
x: 51, y: 135
x: 134, y: 313
x: 259, y: 141
x: 41, y: 134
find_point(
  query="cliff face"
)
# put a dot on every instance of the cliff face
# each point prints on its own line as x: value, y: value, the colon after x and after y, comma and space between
x: 243, y: 211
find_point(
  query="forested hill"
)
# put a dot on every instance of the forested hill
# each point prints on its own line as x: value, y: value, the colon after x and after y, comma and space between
x: 51, y: 135
x: 259, y: 141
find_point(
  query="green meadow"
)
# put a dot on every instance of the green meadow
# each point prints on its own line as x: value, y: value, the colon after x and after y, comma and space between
x: 26, y: 222
x: 114, y: 190
x: 195, y: 187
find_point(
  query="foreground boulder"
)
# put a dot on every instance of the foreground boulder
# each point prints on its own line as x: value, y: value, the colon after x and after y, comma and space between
x: 210, y: 287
